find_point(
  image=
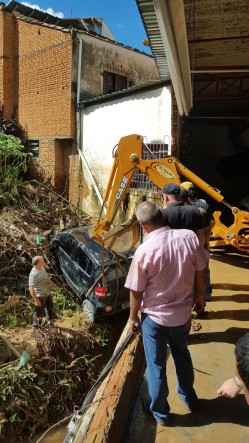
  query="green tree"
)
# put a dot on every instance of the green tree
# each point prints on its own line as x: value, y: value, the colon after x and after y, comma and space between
x: 13, y: 164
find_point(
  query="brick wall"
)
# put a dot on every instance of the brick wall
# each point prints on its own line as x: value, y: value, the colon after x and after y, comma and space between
x: 8, y: 52
x: 45, y: 103
x: 35, y: 86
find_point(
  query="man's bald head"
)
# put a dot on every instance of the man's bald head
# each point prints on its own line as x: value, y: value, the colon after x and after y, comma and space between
x: 38, y: 259
x: 150, y: 214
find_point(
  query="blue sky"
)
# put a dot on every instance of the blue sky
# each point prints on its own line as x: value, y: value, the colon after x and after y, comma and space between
x: 121, y: 16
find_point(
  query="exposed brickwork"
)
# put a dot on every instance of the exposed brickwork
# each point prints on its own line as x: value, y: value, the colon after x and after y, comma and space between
x: 35, y: 86
x: 8, y: 52
x: 44, y: 81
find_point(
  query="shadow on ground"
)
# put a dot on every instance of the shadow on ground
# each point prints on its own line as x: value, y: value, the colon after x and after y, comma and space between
x: 230, y: 335
x: 238, y: 298
x: 217, y: 410
x: 240, y: 259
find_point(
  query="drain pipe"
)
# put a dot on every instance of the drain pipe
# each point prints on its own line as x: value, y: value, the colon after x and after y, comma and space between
x: 79, y: 128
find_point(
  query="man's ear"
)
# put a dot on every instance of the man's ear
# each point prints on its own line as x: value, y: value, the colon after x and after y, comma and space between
x: 145, y: 227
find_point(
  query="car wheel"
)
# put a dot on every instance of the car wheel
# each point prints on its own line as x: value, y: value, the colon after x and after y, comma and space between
x: 89, y: 309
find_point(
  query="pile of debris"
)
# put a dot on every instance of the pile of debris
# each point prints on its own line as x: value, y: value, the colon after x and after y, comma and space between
x: 24, y: 232
x: 38, y: 391
x: 37, y: 388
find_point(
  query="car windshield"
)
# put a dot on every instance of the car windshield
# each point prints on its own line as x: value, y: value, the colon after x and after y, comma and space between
x: 83, y: 236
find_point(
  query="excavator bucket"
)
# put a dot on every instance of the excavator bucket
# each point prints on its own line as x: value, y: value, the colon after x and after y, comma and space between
x: 122, y: 237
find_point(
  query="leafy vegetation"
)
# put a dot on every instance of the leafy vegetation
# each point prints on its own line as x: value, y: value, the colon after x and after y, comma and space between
x: 13, y: 163
x: 65, y: 305
x: 18, y: 316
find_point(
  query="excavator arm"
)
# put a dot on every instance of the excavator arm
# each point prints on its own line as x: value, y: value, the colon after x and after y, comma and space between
x: 128, y: 158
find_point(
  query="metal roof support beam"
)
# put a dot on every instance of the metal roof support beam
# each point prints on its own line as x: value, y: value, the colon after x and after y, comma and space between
x: 171, y: 21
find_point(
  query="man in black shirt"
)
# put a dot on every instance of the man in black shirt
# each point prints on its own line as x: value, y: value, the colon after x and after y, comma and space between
x: 199, y: 203
x: 177, y: 215
x: 192, y: 193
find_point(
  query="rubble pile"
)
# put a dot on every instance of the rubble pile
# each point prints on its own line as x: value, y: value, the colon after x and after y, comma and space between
x: 24, y: 231
x: 38, y: 391
x: 43, y: 372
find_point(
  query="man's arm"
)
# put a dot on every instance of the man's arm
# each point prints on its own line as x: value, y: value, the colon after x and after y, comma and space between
x: 199, y: 296
x: 50, y: 281
x: 135, y: 303
x: 201, y: 236
x: 208, y: 230
x: 33, y: 293
x: 52, y: 284
x: 230, y: 388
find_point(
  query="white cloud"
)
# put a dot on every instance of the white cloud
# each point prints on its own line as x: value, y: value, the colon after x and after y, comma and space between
x: 120, y: 26
x: 48, y: 10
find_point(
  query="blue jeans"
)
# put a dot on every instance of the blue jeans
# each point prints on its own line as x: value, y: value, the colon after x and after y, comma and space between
x: 208, y: 287
x: 155, y: 340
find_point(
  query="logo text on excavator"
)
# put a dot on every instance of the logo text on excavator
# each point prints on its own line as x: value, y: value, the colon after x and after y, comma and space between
x: 121, y: 187
x: 164, y: 171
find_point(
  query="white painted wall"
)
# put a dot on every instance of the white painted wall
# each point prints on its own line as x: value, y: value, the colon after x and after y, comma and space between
x: 146, y: 113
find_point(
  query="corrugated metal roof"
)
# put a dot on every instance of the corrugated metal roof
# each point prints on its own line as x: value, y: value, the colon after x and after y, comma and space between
x: 149, y: 18
x: 148, y: 86
x: 217, y: 45
x: 35, y: 15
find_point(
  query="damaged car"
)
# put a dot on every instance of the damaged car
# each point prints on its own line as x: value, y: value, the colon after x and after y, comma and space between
x: 96, y: 275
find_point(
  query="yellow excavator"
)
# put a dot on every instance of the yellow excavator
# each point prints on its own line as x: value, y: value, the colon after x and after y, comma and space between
x: 128, y: 158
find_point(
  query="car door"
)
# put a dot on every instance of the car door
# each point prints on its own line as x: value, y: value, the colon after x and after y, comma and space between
x: 84, y: 271
x: 71, y: 263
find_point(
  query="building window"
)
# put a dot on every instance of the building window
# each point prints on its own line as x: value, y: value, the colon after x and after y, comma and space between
x: 34, y: 147
x: 113, y: 82
x: 140, y: 180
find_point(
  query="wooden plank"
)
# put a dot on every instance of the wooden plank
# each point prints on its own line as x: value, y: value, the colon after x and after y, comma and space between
x: 107, y: 419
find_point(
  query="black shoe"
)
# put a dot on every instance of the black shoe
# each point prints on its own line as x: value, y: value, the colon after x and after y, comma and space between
x: 149, y: 413
x: 208, y: 297
x: 193, y: 406
x: 201, y: 314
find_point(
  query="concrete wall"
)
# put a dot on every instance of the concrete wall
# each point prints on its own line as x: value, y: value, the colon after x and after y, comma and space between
x: 146, y: 113
x: 99, y: 55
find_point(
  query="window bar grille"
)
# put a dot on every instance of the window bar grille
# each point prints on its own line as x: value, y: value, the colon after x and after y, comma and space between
x: 140, y: 181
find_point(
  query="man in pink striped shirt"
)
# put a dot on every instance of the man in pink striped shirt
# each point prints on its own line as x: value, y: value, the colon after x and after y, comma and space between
x: 160, y: 280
